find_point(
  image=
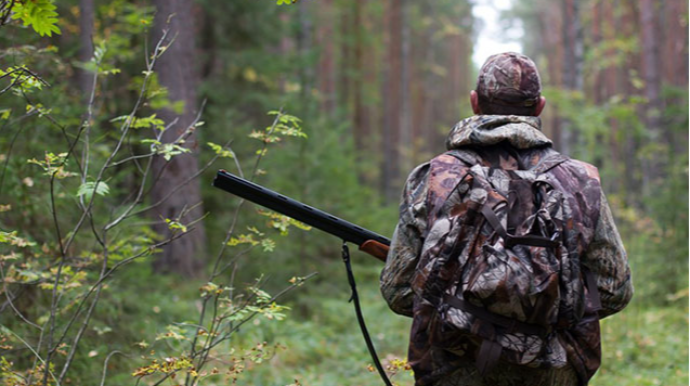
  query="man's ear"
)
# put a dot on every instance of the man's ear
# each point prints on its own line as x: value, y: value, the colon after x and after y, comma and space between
x: 540, y: 106
x: 474, y: 102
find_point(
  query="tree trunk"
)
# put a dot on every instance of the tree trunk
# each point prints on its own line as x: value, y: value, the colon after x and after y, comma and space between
x: 626, y: 25
x: 345, y: 63
x: 304, y: 42
x: 431, y: 83
x: 287, y: 46
x: 572, y: 64
x: 405, y: 144
x: 610, y: 75
x: 86, y: 17
x: 686, y: 49
x: 177, y: 72
x: 596, y: 85
x: 361, y: 129
x: 652, y: 90
x: 392, y: 100
x: 550, y: 27
x: 326, y: 73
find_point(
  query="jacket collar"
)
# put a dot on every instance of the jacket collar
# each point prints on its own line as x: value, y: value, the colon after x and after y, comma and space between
x: 484, y: 130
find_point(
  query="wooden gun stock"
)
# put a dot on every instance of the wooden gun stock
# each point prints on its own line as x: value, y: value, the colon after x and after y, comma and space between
x: 376, y: 249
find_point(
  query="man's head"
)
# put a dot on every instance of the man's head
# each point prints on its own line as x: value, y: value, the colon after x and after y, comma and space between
x: 508, y: 84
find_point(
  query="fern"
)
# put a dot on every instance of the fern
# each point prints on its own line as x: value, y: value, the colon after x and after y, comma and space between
x: 39, y: 14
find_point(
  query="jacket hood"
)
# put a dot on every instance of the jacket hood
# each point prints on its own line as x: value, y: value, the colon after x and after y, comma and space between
x: 484, y: 130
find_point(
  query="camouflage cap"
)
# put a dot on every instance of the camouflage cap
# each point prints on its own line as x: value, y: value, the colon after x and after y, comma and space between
x: 509, y: 79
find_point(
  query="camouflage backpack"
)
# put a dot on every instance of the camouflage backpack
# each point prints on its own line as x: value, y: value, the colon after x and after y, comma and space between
x: 500, y: 268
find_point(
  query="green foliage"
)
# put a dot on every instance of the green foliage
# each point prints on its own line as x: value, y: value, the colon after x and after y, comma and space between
x: 655, y: 211
x: 284, y: 126
x: 53, y: 165
x: 39, y: 14
x: 69, y: 274
x: 220, y: 151
x: 141, y: 123
x: 148, y: 326
x: 22, y: 79
x: 97, y: 64
x: 87, y: 189
x: 14, y: 240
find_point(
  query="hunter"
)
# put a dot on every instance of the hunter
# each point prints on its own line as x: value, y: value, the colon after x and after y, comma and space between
x: 592, y: 279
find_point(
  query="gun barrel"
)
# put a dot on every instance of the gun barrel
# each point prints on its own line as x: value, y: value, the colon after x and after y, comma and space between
x: 275, y: 201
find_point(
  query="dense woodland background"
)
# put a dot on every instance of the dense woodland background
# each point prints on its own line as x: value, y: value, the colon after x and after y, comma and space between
x: 120, y: 264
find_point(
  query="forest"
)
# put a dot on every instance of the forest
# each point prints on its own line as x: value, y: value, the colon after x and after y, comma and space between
x: 120, y: 264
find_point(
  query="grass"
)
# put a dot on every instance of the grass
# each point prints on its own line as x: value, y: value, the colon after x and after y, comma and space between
x: 321, y: 344
x: 645, y: 346
x: 641, y: 345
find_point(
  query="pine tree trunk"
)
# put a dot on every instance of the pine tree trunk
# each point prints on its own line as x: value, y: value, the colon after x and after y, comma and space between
x: 177, y: 72
x: 304, y: 42
x: 361, y: 129
x: 572, y: 65
x: 626, y: 25
x: 550, y: 22
x: 405, y: 144
x: 392, y: 100
x: 326, y: 72
x: 428, y: 97
x: 597, y: 87
x: 346, y: 58
x: 651, y: 70
x: 674, y: 72
x: 86, y: 17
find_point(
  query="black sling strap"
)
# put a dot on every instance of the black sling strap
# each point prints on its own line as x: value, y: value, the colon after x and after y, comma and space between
x: 360, y: 317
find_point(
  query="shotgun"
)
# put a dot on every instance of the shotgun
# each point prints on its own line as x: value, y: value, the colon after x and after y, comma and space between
x: 368, y: 241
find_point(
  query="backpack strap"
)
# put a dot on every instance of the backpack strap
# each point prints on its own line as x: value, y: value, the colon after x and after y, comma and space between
x: 469, y: 157
x: 510, y: 240
x: 549, y: 162
x: 490, y: 350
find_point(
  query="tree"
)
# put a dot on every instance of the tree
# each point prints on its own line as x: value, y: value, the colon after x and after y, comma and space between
x: 86, y: 17
x: 573, y: 60
x: 178, y: 73
x: 393, y: 24
x: 326, y: 66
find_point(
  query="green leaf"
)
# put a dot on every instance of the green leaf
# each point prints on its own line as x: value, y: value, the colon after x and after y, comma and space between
x: 12, y: 239
x: 39, y: 15
x: 87, y: 188
x: 175, y: 225
x: 268, y: 245
x: 143, y: 122
x: 220, y: 151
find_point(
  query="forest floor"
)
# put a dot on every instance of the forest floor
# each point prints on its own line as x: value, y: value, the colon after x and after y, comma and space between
x: 321, y: 343
x: 641, y: 345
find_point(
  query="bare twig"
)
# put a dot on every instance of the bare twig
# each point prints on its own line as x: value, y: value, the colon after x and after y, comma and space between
x: 87, y: 318
x: 14, y: 139
x: 11, y: 303
x: 105, y: 364
x: 87, y: 125
x: 231, y: 230
x: 249, y: 317
x: 112, y: 270
x: 175, y: 189
x: 36, y: 355
x: 125, y: 131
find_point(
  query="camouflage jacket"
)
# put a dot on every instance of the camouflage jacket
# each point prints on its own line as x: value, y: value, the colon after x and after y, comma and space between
x: 508, y: 142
